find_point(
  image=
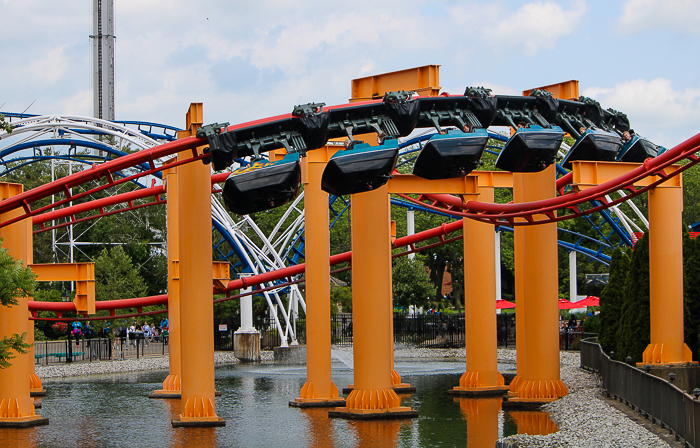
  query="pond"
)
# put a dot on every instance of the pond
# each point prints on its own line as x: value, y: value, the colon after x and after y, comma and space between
x: 114, y: 411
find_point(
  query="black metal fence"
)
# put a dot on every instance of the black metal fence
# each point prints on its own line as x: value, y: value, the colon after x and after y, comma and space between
x: 657, y: 399
x: 96, y: 349
x: 425, y: 330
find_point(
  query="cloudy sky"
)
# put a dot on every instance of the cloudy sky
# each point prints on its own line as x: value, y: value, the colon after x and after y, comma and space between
x: 247, y: 60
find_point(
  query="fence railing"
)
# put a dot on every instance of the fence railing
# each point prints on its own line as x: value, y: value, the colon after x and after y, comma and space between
x: 425, y: 330
x: 96, y: 349
x: 657, y: 399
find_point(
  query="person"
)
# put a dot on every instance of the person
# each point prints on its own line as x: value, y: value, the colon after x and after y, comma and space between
x: 77, y: 331
x: 163, y: 323
x: 523, y: 124
x: 131, y: 334
x: 582, y: 130
x: 146, y: 333
x: 627, y: 136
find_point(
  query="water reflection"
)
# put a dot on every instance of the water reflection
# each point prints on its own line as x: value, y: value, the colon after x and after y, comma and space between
x: 376, y: 433
x: 114, y: 411
x: 534, y: 422
x: 321, y: 433
x: 18, y: 438
x: 483, y: 422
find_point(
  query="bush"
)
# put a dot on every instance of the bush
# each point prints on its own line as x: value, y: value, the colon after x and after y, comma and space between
x: 39, y: 335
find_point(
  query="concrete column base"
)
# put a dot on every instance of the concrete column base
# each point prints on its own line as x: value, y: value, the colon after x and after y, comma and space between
x: 246, y: 346
x: 295, y: 354
x: 687, y: 374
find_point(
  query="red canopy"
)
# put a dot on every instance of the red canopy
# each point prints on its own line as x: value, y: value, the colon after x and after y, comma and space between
x: 501, y: 304
x: 566, y: 305
x: 589, y: 301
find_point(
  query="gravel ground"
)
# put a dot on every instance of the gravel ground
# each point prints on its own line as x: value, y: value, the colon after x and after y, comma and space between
x: 585, y: 418
x: 126, y: 365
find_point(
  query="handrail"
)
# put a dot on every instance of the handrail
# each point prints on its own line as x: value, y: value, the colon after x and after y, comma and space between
x: 657, y: 399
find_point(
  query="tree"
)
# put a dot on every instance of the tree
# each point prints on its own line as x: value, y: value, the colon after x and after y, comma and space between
x: 635, y: 324
x: 691, y: 293
x: 411, y: 283
x: 116, y: 277
x: 16, y: 281
x: 611, y: 301
x: 5, y: 126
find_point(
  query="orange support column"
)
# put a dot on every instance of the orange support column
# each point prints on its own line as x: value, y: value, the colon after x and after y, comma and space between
x: 172, y: 383
x: 666, y: 277
x: 196, y: 296
x: 16, y: 407
x: 319, y: 390
x: 482, y: 376
x: 36, y: 388
x: 539, y: 379
x: 518, y: 251
x: 372, y: 308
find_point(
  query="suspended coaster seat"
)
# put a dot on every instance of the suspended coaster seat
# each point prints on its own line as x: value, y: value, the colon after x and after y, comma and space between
x: 637, y: 150
x: 530, y: 150
x: 361, y: 168
x: 594, y: 144
x: 263, y: 185
x: 454, y: 154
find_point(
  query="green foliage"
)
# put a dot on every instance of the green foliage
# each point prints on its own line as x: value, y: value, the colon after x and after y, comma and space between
x: 16, y: 282
x: 634, y: 335
x: 116, y: 277
x: 591, y: 324
x: 342, y: 295
x: 611, y: 300
x: 691, y: 293
x: 5, y: 126
x: 411, y: 283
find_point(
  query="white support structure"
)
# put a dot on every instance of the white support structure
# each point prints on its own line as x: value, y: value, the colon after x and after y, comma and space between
x: 573, y: 289
x: 411, y: 227
x: 246, y: 310
x: 497, y: 236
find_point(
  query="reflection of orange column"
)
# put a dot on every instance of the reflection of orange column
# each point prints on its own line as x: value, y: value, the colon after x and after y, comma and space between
x: 519, y: 301
x: 19, y: 437
x: 666, y: 277
x: 482, y: 420
x: 373, y: 434
x: 16, y: 407
x: 320, y: 430
x: 319, y: 389
x: 171, y: 384
x: 196, y: 297
x: 371, y: 307
x: 533, y: 423
x: 482, y: 375
x: 539, y: 379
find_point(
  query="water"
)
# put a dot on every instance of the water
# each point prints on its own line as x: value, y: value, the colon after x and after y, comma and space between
x: 114, y: 411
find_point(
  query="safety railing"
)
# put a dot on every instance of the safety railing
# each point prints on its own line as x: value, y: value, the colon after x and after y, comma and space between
x: 657, y: 399
x: 97, y: 349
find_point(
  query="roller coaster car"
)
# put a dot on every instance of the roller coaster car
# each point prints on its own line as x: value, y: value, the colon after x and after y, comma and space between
x: 594, y: 144
x: 530, y: 150
x: 361, y: 168
x: 454, y: 154
x: 263, y: 185
x: 637, y: 150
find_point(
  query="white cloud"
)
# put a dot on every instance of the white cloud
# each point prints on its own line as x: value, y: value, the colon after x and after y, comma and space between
x: 535, y: 26
x: 655, y: 109
x: 679, y: 16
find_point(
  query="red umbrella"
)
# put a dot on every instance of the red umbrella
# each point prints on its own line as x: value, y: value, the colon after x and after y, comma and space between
x: 566, y: 305
x: 589, y: 301
x: 501, y: 304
